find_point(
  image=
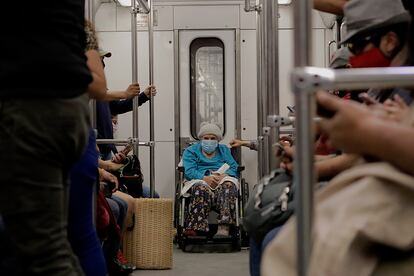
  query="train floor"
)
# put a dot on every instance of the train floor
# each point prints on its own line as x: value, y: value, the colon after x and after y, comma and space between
x: 204, y: 264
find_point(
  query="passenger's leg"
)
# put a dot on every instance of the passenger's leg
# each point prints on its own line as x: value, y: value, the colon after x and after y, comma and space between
x: 114, y: 207
x: 81, y: 231
x: 225, y: 201
x: 199, y: 208
x: 123, y: 209
x: 257, y: 249
x: 131, y: 207
x: 112, y: 244
x: 255, y: 255
x: 39, y: 141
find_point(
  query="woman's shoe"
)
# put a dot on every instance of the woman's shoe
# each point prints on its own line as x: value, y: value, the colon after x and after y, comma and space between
x: 223, y: 232
x: 119, y: 269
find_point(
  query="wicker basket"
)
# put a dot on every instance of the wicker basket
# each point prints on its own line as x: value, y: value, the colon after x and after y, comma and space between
x: 150, y: 244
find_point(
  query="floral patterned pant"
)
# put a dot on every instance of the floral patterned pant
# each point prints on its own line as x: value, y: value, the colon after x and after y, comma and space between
x: 203, y: 200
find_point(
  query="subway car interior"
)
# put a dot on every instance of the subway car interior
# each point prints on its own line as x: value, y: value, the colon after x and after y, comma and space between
x: 207, y: 137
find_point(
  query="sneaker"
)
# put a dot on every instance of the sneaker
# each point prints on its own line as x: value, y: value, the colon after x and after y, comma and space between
x: 223, y: 232
x: 123, y: 260
x: 118, y: 269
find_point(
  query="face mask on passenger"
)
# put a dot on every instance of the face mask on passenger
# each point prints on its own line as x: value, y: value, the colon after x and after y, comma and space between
x: 371, y: 58
x: 209, y: 146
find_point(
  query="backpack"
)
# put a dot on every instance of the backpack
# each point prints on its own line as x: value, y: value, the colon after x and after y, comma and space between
x: 271, y: 205
x: 130, y: 176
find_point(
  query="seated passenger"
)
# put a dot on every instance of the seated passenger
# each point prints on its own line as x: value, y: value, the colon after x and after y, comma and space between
x: 208, y: 187
x: 368, y: 242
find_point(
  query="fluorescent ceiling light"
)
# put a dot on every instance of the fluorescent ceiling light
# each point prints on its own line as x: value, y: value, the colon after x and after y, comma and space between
x: 143, y: 4
x: 284, y: 2
x: 124, y: 3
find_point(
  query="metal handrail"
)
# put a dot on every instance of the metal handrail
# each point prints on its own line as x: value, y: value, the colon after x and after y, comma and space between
x: 311, y: 79
x: 133, y: 141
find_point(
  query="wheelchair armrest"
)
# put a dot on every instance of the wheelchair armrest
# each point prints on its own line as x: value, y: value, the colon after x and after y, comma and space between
x: 241, y: 168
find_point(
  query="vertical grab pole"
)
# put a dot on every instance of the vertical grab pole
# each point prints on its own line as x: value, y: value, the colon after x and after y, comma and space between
x: 304, y: 167
x: 151, y: 81
x: 271, y: 66
x: 260, y: 123
x: 264, y: 87
x: 134, y: 53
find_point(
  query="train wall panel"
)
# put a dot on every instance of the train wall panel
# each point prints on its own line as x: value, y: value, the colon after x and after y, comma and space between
x: 206, y: 17
x: 249, y: 100
x: 163, y: 19
x: 105, y: 18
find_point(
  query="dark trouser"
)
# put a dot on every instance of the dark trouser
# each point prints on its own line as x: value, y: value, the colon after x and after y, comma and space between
x: 39, y: 141
x: 81, y: 231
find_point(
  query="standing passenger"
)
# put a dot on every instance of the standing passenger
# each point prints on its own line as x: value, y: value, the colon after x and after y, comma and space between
x: 81, y: 231
x: 43, y: 127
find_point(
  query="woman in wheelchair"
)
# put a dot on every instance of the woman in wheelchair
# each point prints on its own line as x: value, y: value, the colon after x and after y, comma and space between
x: 211, y: 174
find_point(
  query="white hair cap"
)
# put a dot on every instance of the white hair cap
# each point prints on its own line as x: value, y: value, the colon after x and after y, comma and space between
x: 210, y: 128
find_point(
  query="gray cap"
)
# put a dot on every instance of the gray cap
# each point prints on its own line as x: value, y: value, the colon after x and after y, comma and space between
x: 340, y: 58
x: 365, y: 15
x: 210, y: 128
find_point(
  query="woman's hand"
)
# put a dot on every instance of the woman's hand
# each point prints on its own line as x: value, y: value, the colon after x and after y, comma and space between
x: 396, y: 109
x: 108, y: 177
x: 236, y: 143
x: 347, y: 129
x: 118, y: 158
x: 109, y: 165
x: 150, y: 91
x: 132, y: 91
x: 212, y: 180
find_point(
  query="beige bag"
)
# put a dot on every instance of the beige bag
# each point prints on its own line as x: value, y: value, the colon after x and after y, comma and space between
x: 150, y: 244
x: 362, y: 208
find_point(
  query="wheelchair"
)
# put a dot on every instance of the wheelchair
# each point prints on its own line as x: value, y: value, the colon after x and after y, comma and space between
x: 207, y: 243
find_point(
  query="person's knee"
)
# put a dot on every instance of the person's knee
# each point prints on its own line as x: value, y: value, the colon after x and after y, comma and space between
x: 229, y: 185
x: 114, y: 207
x: 201, y: 187
x: 123, y: 205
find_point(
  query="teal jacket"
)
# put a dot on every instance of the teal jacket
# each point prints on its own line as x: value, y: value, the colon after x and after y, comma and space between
x: 197, y: 165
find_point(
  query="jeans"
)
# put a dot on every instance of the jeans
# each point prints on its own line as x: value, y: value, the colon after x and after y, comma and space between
x: 39, y: 142
x: 257, y: 249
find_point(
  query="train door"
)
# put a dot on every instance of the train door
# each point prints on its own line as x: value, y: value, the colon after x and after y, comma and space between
x: 207, y: 82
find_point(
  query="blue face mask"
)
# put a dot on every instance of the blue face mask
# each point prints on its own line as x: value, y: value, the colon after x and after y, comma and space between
x: 209, y: 146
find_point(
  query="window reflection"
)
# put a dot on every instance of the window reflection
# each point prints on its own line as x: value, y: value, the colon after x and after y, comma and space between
x: 207, y: 83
